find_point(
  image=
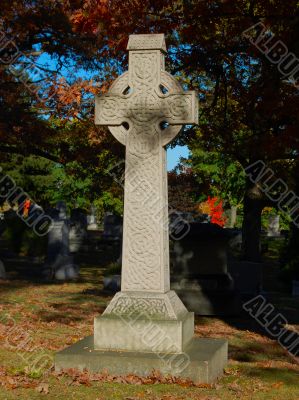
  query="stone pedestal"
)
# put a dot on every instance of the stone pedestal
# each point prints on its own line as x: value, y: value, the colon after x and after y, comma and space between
x: 148, y: 322
x: 202, y: 361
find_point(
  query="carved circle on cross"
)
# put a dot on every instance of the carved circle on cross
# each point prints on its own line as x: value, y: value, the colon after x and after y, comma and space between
x: 120, y: 88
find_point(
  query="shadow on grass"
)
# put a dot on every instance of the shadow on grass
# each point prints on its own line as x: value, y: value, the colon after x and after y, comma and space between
x: 272, y: 375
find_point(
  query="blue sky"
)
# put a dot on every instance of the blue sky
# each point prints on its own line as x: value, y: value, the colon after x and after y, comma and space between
x: 173, y: 154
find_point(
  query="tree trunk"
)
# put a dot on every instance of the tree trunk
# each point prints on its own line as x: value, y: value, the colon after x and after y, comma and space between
x: 233, y: 216
x: 252, y: 222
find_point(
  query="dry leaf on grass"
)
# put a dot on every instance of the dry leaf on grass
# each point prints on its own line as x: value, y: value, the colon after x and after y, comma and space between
x: 43, y: 388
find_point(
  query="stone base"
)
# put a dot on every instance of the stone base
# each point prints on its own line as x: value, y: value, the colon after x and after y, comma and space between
x: 134, y: 333
x: 144, y: 322
x: 202, y: 362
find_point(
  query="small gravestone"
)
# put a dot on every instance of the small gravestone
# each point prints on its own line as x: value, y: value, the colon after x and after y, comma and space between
x: 113, y: 227
x: 92, y: 219
x: 146, y: 326
x: 78, y: 229
x: 2, y: 271
x: 273, y: 226
x: 295, y: 288
x: 236, y: 238
x: 248, y: 277
x: 59, y: 263
x: 199, y: 271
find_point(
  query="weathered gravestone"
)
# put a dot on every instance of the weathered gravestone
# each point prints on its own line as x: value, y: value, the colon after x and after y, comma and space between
x: 2, y: 271
x: 200, y: 276
x: 59, y: 263
x: 146, y: 327
x: 92, y: 219
x: 2, y: 229
x: 295, y: 288
x: 273, y: 226
x: 113, y: 227
x: 78, y: 228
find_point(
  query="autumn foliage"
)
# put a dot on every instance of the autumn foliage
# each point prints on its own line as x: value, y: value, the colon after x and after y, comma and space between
x: 213, y: 206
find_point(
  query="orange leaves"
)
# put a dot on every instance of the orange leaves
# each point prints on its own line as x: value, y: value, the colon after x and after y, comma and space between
x: 214, y: 207
x: 85, y: 378
x: 89, y: 18
x: 11, y: 382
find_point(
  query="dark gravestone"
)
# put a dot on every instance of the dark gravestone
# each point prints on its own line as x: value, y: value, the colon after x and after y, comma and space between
x: 2, y: 271
x: 78, y: 229
x: 199, y: 271
x: 113, y: 227
x: 59, y: 263
x: 2, y: 229
x: 295, y: 288
x: 248, y: 277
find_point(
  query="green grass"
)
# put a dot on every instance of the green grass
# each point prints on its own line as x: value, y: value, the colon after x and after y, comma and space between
x: 53, y: 316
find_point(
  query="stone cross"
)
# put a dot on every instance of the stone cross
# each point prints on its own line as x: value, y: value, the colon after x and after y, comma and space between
x: 145, y: 109
x: 146, y: 326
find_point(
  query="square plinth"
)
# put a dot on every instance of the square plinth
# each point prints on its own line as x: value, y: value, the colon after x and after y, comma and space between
x: 112, y: 332
x: 202, y: 361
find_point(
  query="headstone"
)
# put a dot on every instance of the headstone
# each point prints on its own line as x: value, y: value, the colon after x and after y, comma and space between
x: 113, y: 226
x: 78, y: 228
x: 235, y: 242
x: 112, y: 283
x: 146, y: 325
x: 248, y: 277
x: 59, y: 263
x: 273, y: 226
x: 92, y: 219
x: 199, y: 271
x: 295, y: 288
x: 2, y: 271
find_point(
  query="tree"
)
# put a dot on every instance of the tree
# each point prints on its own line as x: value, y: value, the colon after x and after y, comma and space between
x: 248, y: 112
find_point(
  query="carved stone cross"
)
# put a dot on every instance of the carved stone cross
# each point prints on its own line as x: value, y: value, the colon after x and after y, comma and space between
x: 145, y: 109
x: 146, y: 326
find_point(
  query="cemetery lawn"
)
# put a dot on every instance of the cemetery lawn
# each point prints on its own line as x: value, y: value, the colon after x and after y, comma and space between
x: 40, y: 319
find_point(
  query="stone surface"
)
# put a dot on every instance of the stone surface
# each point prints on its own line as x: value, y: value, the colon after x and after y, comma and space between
x: 199, y: 271
x: 273, y: 226
x: 202, y: 361
x: 92, y: 219
x: 2, y: 271
x: 112, y: 283
x: 132, y: 316
x: 145, y: 110
x: 248, y: 276
x: 295, y: 288
x: 59, y: 262
x: 78, y: 229
x: 134, y: 108
x: 113, y: 227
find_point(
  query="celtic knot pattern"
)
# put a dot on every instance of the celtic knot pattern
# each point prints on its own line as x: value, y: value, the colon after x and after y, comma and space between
x: 134, y: 117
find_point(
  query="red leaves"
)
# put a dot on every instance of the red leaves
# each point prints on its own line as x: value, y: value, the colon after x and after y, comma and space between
x: 214, y: 207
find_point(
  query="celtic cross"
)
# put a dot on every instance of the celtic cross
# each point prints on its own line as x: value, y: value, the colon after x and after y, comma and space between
x: 145, y: 109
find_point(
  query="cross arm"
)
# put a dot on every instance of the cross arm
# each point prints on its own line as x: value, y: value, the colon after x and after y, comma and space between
x: 110, y: 110
x: 182, y: 108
